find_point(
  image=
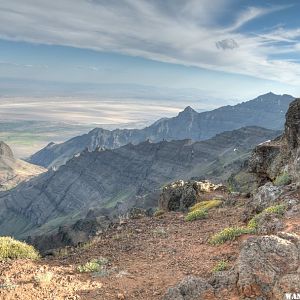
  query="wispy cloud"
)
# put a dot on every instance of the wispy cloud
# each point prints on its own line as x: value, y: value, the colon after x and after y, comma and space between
x: 182, y: 32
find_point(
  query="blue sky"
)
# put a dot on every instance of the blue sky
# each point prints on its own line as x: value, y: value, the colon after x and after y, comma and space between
x: 220, y: 49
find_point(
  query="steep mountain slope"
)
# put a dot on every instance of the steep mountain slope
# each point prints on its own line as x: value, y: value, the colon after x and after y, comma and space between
x: 119, y: 178
x: 13, y: 171
x: 266, y: 111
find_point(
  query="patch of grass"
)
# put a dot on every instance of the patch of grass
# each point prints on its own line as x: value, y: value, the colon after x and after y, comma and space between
x: 196, y: 215
x: 161, y: 232
x: 228, y: 234
x: 43, y: 278
x: 206, y: 205
x: 283, y: 179
x: 159, y: 213
x: 94, y: 265
x: 13, y: 249
x: 222, y: 265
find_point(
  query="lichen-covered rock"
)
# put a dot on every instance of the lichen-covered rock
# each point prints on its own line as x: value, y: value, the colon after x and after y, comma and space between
x: 269, y: 223
x: 190, y: 288
x: 264, y: 262
x: 180, y: 195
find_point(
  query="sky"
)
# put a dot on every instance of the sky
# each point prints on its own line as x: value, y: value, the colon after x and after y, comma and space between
x: 200, y: 52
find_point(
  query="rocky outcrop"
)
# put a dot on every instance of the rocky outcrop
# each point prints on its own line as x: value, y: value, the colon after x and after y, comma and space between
x: 273, y: 158
x: 13, y: 171
x: 267, y: 268
x: 180, y: 195
x: 191, y: 288
x: 71, y: 235
x: 265, y: 264
x: 266, y: 111
x: 5, y: 151
x: 119, y: 178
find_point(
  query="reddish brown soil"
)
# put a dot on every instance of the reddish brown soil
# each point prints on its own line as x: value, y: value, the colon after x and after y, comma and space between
x: 146, y: 256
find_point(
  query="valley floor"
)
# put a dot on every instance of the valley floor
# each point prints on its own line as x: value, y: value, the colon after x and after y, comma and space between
x: 146, y: 256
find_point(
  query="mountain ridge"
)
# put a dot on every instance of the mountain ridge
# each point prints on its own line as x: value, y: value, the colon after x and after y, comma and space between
x: 121, y: 178
x: 265, y: 111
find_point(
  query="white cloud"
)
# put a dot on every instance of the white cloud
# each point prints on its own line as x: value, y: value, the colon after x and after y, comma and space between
x: 183, y: 32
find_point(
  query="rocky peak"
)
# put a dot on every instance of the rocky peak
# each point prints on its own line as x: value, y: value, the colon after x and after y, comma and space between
x: 5, y: 151
x: 280, y: 155
x: 292, y: 125
x: 188, y: 111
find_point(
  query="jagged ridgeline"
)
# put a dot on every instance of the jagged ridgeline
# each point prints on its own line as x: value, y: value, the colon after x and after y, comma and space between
x: 266, y: 111
x: 121, y: 178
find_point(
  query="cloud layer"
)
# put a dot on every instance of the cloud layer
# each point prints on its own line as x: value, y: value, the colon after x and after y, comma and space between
x: 181, y: 32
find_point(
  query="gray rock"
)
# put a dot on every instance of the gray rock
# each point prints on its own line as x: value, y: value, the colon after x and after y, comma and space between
x: 264, y: 261
x: 190, y: 288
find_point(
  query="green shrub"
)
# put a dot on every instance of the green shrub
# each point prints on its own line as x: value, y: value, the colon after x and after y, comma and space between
x: 196, y: 215
x: 276, y: 209
x: 43, y: 278
x: 206, y: 205
x: 95, y: 265
x: 158, y: 213
x: 220, y: 266
x: 228, y: 234
x: 13, y: 249
x: 282, y: 179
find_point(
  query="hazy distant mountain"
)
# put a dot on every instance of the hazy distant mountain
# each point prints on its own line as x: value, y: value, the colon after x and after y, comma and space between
x: 13, y: 171
x: 126, y: 175
x: 267, y: 111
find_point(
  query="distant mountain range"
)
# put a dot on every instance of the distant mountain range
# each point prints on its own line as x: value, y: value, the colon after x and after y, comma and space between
x: 266, y: 111
x: 118, y: 179
x: 13, y: 171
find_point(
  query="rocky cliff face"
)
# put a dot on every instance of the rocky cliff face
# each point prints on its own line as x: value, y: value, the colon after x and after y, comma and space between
x: 13, y: 171
x: 281, y: 155
x: 120, y: 178
x: 266, y: 111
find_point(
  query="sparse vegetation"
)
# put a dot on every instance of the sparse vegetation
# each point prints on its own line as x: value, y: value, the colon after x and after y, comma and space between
x: 228, y: 234
x: 196, y: 215
x: 158, y: 213
x: 222, y: 265
x: 283, y: 179
x: 206, y: 205
x: 161, y: 232
x: 13, y: 249
x: 276, y: 209
x: 94, y: 265
x: 43, y: 278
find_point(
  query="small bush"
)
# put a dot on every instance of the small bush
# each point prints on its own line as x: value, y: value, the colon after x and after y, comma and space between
x: 282, y: 179
x: 158, y: 213
x: 13, y: 249
x: 95, y: 265
x: 220, y: 266
x: 196, y: 215
x: 43, y: 278
x: 276, y: 209
x: 228, y: 234
x: 206, y: 205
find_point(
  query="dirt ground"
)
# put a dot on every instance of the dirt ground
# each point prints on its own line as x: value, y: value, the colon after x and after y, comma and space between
x: 146, y: 256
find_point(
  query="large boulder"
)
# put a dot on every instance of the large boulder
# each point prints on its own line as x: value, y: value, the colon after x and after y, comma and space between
x: 265, y: 263
x: 180, y: 195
